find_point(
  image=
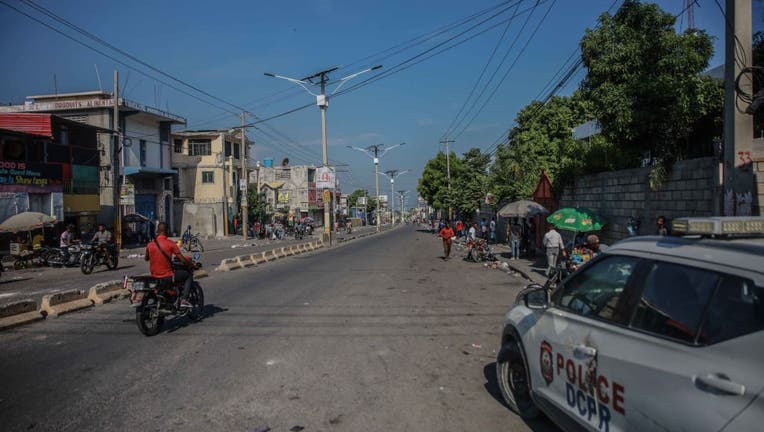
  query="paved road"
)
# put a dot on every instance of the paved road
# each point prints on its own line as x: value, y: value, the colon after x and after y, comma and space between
x: 36, y: 282
x: 378, y: 334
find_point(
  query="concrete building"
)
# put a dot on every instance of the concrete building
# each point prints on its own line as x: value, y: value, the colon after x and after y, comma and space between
x: 290, y: 189
x: 49, y: 164
x: 208, y: 192
x: 146, y: 174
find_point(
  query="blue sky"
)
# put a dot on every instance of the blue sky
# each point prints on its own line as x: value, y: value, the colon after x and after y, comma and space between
x: 224, y: 47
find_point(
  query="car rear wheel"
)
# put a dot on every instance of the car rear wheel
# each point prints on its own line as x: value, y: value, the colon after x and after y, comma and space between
x: 512, y: 374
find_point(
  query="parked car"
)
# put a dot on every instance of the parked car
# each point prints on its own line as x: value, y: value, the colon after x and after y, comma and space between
x: 656, y: 333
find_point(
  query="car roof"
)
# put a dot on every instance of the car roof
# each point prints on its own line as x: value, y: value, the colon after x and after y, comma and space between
x: 747, y: 253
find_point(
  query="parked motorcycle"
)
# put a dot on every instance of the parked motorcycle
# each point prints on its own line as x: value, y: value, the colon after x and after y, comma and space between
x: 94, y: 254
x: 68, y: 256
x: 154, y: 299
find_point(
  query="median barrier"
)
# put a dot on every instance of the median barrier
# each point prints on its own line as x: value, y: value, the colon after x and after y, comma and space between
x: 229, y: 264
x: 309, y: 245
x: 245, y: 261
x: 18, y: 313
x: 106, y: 291
x: 295, y: 249
x: 274, y: 254
x: 54, y: 305
x: 258, y: 258
x: 304, y: 247
x: 286, y: 252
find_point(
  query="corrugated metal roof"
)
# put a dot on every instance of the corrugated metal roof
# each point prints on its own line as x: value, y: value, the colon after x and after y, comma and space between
x: 37, y: 124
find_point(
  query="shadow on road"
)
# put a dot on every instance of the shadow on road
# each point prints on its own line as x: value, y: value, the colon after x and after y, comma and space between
x: 178, y: 323
x: 541, y: 424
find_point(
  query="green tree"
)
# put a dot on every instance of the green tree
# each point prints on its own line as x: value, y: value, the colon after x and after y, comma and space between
x: 353, y: 197
x: 469, y: 181
x: 256, y: 204
x: 433, y: 185
x: 644, y: 81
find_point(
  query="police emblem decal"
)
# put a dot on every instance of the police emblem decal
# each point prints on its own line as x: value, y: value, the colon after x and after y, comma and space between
x: 545, y: 360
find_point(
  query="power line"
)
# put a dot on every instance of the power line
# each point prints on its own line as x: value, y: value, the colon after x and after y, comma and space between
x: 498, y: 68
x: 482, y: 73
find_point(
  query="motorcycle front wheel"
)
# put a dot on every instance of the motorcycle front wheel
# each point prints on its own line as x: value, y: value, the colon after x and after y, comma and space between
x: 88, y: 263
x: 196, y: 298
x: 112, y: 262
x: 147, y: 315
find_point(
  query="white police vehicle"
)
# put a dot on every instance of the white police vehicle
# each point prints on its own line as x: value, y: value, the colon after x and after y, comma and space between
x: 656, y: 333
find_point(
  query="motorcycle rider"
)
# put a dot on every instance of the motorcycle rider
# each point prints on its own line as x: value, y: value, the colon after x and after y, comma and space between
x: 67, y: 237
x: 159, y: 254
x: 102, y: 238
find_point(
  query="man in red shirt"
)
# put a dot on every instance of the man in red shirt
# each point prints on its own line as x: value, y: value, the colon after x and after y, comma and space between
x: 159, y: 254
x: 446, y: 234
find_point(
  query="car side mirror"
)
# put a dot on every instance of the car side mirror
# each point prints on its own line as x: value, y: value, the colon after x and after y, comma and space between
x: 536, y: 297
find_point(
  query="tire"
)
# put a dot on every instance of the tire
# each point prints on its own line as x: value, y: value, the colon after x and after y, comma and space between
x: 112, y: 262
x: 149, y: 322
x: 87, y: 264
x: 196, y: 297
x: 18, y: 264
x: 514, y: 380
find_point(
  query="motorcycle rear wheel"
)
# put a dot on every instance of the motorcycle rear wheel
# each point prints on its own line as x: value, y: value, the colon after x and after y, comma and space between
x: 147, y: 316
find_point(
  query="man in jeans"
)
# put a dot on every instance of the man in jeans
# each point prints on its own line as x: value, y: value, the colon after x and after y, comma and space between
x: 492, y: 230
x: 553, y: 244
x: 159, y: 254
x: 514, y: 240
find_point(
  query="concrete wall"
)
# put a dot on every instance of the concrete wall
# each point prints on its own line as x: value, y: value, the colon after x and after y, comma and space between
x: 691, y: 190
x: 203, y: 220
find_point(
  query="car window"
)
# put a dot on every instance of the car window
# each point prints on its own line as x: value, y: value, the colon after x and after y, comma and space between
x: 673, y: 299
x: 596, y: 289
x: 735, y: 310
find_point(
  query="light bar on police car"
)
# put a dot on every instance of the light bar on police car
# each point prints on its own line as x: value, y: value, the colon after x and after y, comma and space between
x: 730, y: 225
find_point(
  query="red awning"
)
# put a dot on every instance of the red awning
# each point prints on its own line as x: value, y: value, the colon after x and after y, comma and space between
x: 36, y: 124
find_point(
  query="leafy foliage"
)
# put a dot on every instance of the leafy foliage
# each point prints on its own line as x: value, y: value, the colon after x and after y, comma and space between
x: 644, y: 80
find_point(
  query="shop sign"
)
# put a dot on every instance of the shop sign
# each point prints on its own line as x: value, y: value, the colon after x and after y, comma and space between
x: 325, y: 178
x: 127, y: 194
x: 30, y: 174
x: 283, y: 198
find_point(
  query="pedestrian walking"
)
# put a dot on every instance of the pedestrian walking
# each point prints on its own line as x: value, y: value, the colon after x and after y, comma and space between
x: 492, y: 230
x: 554, y: 245
x: 514, y: 240
x: 447, y: 234
x: 459, y: 228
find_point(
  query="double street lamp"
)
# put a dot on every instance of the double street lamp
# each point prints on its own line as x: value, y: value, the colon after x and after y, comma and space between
x: 322, y: 100
x: 375, y: 152
x: 392, y: 175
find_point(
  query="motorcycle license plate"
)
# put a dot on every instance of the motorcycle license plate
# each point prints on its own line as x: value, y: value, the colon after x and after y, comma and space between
x: 136, y: 297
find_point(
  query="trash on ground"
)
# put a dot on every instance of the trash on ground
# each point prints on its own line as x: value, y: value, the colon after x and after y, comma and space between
x: 296, y: 428
x: 476, y: 346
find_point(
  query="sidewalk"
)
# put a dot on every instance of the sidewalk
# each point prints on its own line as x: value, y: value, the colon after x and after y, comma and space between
x: 532, y: 269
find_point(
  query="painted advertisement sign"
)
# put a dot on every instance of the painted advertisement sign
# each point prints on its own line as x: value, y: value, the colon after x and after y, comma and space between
x: 30, y: 177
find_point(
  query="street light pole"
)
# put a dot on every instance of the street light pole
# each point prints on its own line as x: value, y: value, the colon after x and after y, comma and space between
x: 322, y: 101
x: 245, y: 177
x: 392, y: 175
x: 374, y: 151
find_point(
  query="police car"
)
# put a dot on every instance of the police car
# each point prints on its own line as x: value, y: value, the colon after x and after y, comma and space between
x: 656, y: 333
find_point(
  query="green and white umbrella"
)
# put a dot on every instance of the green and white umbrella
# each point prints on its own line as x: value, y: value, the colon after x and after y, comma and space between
x: 576, y: 219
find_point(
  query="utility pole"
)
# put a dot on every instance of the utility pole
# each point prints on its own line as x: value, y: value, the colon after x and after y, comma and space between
x: 320, y: 78
x: 738, y: 185
x: 223, y: 160
x: 375, y: 152
x: 116, y: 190
x: 448, y: 173
x: 244, y: 181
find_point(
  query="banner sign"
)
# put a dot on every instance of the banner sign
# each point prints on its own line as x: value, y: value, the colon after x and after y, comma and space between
x: 283, y: 197
x: 127, y: 194
x: 34, y: 175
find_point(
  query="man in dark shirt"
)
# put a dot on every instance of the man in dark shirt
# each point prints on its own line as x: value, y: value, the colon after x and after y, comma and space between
x: 159, y: 254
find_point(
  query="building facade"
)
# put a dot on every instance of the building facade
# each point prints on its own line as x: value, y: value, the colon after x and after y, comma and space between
x: 208, y: 192
x: 49, y: 164
x: 146, y: 175
x: 290, y: 189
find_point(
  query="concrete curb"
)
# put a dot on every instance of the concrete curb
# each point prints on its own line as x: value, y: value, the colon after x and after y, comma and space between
x: 54, y: 305
x: 228, y: 264
x: 18, y: 313
x: 245, y: 260
x: 106, y: 291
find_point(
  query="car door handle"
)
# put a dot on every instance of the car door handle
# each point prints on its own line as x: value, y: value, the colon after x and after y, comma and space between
x: 719, y: 384
x: 584, y: 351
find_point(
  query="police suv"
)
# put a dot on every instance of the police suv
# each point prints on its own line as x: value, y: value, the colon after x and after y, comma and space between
x: 656, y: 333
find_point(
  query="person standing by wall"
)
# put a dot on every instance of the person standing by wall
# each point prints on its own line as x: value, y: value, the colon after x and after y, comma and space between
x: 660, y: 226
x: 447, y: 234
x: 492, y: 230
x: 554, y: 245
x: 514, y: 240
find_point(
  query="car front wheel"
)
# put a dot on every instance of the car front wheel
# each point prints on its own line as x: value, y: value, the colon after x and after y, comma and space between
x: 512, y: 374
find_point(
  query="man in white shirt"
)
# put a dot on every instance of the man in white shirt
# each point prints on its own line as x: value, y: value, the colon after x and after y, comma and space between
x: 472, y: 234
x: 553, y: 244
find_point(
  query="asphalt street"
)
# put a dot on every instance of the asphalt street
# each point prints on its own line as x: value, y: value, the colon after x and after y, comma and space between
x: 378, y: 334
x: 33, y: 283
